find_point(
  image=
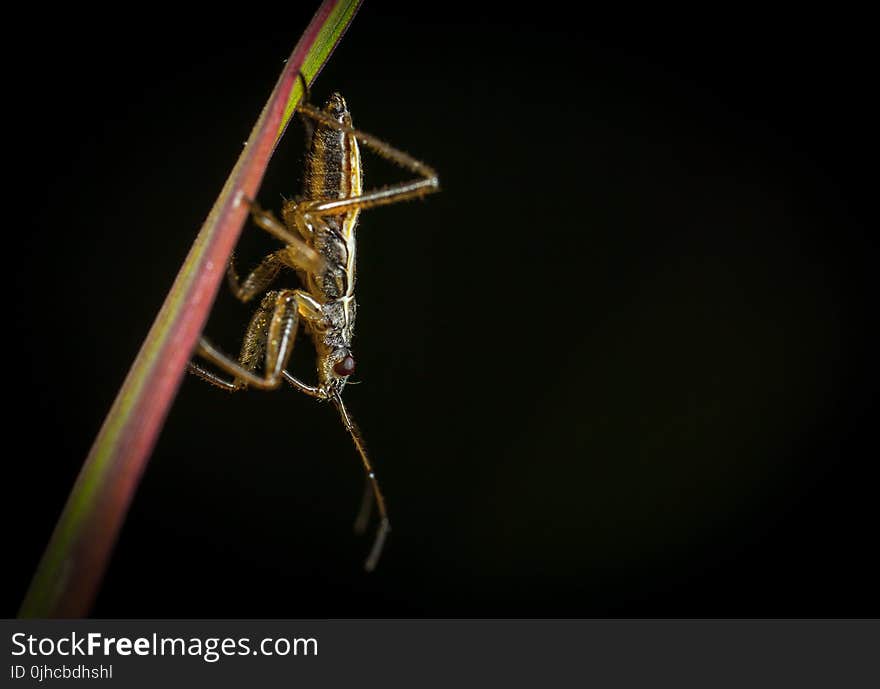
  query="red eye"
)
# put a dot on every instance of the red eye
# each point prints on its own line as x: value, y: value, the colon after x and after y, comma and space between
x: 345, y: 366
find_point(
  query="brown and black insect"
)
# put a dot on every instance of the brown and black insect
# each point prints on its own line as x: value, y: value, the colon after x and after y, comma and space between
x: 318, y: 232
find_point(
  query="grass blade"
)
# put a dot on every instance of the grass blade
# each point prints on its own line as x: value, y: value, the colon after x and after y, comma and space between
x: 70, y: 572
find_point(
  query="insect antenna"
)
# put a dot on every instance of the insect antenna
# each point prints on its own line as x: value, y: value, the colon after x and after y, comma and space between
x: 366, y: 509
x: 384, y: 524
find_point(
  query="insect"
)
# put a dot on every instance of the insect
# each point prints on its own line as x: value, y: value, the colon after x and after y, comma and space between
x: 318, y: 233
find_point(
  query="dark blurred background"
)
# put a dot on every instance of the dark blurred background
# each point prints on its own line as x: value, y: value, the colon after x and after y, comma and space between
x: 619, y: 367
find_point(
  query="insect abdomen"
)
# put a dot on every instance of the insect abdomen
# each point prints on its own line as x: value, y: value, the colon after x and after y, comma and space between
x: 333, y: 163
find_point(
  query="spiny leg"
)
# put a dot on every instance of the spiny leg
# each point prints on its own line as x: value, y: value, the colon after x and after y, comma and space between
x: 305, y: 388
x: 265, y: 273
x: 296, y: 253
x: 384, y: 524
x: 272, y: 332
x: 257, y: 281
x: 210, y: 377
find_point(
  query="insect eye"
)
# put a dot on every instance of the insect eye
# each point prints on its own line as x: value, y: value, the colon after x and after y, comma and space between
x: 345, y: 366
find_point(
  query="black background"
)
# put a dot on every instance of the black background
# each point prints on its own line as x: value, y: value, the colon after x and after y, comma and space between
x: 618, y: 367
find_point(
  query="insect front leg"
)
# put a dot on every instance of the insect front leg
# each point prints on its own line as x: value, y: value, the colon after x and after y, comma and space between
x: 270, y: 335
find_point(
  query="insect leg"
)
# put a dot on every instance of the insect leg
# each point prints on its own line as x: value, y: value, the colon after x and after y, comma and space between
x: 305, y: 388
x: 209, y: 376
x: 384, y: 524
x: 257, y: 281
x: 272, y: 332
x: 297, y: 250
